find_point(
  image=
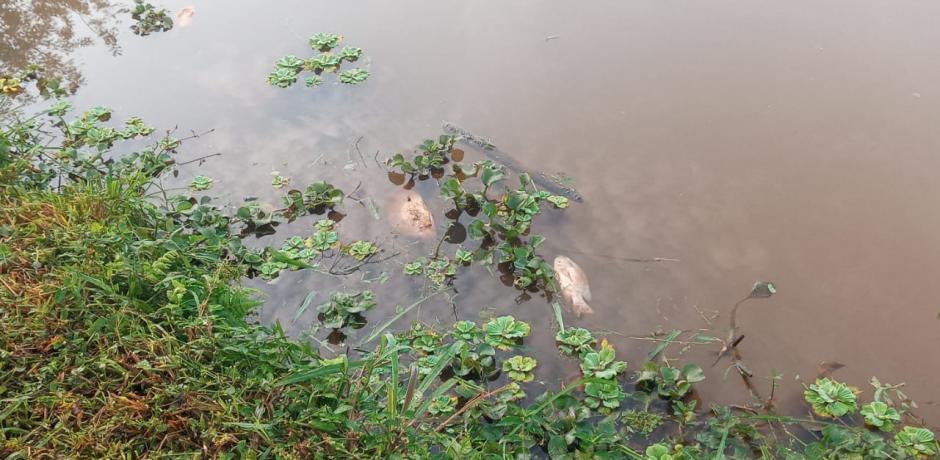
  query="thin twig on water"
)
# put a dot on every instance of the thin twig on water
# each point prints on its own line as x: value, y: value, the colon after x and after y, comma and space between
x: 361, y: 159
x: 204, y: 157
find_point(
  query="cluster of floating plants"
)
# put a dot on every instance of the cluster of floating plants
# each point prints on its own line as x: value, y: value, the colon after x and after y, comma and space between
x: 289, y: 68
x: 149, y: 19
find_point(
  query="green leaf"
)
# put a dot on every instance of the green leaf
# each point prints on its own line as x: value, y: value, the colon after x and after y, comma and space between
x: 491, y: 175
x: 476, y: 229
x: 304, y: 305
x: 663, y: 344
x: 463, y: 256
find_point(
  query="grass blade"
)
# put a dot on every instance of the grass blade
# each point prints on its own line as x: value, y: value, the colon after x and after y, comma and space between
x: 412, y: 384
x: 445, y: 361
x: 321, y: 371
x: 426, y: 403
x: 662, y: 345
x: 379, y: 330
x: 393, y: 384
x: 556, y: 308
x: 304, y: 306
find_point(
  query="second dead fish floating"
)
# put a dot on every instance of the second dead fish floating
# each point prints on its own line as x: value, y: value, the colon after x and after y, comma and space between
x: 185, y: 16
x: 573, y: 284
x: 409, y: 215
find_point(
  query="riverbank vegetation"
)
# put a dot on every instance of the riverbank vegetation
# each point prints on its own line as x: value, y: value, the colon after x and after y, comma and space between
x: 125, y: 332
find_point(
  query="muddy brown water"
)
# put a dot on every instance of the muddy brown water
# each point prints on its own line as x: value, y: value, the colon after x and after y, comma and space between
x: 794, y: 142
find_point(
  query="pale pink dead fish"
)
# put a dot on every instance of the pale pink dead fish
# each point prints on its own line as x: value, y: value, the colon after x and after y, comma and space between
x: 409, y: 215
x: 185, y: 16
x: 573, y: 284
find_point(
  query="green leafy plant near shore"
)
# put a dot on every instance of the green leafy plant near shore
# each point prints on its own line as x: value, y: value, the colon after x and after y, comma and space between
x: 124, y: 332
x: 288, y: 68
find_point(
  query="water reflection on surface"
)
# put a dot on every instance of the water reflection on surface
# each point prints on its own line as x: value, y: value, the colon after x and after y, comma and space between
x: 790, y: 141
x: 48, y: 32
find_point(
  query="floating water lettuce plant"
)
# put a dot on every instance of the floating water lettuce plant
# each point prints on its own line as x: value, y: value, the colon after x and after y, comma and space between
x: 603, y: 395
x: 324, y: 239
x: 574, y: 341
x: 414, y: 268
x: 282, y: 77
x: 916, y: 442
x: 830, y: 398
x: 324, y: 41
x: 519, y: 368
x: 353, y: 76
x: 423, y: 338
x: 504, y: 332
x: 201, y: 183
x: 280, y: 181
x: 360, y: 250
x: 602, y: 363
x: 350, y: 54
x: 440, y: 270
x: 880, y: 415
x: 463, y: 256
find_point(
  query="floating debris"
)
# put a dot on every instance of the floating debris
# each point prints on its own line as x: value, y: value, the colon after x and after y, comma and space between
x: 826, y: 368
x: 553, y: 185
x: 763, y: 289
x: 573, y: 284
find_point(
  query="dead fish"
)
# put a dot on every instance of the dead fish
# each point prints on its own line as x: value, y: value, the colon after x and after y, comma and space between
x: 410, y: 216
x: 185, y: 16
x: 573, y: 284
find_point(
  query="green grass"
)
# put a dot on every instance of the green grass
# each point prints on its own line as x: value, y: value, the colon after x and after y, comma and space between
x: 121, y: 335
